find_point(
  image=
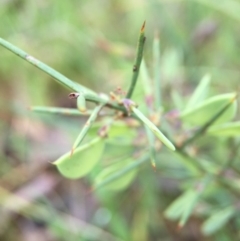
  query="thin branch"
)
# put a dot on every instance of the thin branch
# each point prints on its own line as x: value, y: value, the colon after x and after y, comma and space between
x: 136, y: 66
x: 59, y: 111
x: 88, y: 93
x: 157, y: 73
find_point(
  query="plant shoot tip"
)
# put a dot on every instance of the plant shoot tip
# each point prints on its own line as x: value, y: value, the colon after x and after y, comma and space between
x: 143, y: 26
x: 73, y: 95
x: 72, y: 152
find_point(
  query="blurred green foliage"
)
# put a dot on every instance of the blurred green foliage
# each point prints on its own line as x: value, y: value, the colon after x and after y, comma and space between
x: 93, y: 43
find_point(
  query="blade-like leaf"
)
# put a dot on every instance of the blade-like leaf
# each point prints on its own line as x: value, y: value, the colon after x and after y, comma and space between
x: 226, y: 129
x: 183, y: 204
x: 119, y: 183
x: 210, y: 107
x: 120, y: 173
x: 217, y: 220
x: 199, y: 94
x: 153, y: 128
x: 156, y: 72
x: 82, y: 161
x: 87, y: 126
x: 146, y: 81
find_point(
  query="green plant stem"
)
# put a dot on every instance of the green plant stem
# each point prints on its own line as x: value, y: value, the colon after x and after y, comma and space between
x: 151, y: 141
x: 191, y: 160
x: 53, y: 73
x: 137, y: 63
x: 203, y: 129
x: 89, y: 94
x: 87, y: 126
x: 156, y: 71
x: 59, y: 111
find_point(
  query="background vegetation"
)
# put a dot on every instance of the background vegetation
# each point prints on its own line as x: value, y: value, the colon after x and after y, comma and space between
x: 93, y: 42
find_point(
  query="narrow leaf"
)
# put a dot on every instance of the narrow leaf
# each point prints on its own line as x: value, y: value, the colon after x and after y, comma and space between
x: 87, y: 126
x: 222, y: 111
x: 146, y: 81
x: 209, y: 108
x: 179, y: 205
x: 122, y: 181
x: 82, y: 161
x: 217, y: 220
x: 153, y: 128
x: 226, y: 129
x: 199, y: 94
x: 156, y: 72
x: 131, y: 166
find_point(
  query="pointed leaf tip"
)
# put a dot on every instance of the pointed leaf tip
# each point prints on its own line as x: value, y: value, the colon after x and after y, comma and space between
x: 72, y: 150
x: 143, y: 27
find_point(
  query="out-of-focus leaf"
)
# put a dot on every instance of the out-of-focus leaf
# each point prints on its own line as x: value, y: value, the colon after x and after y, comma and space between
x: 177, y: 99
x: 156, y: 72
x: 153, y: 128
x: 182, y: 207
x: 226, y: 129
x: 87, y: 126
x: 171, y: 61
x: 146, y: 80
x: 217, y: 220
x: 117, y: 128
x: 199, y: 94
x: 121, y: 182
x: 82, y: 160
x: 140, y: 225
x: 209, y: 166
x: 210, y: 107
x: 114, y: 173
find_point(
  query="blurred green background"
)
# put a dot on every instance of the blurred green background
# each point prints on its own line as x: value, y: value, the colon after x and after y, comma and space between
x: 93, y: 43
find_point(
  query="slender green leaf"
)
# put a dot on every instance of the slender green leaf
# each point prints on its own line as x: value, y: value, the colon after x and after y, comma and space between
x: 146, y: 80
x: 156, y: 72
x: 153, y: 128
x: 119, y: 183
x: 217, y: 220
x: 182, y: 206
x: 120, y: 173
x: 82, y: 161
x: 177, y: 99
x: 226, y: 129
x: 199, y: 94
x: 212, y: 120
x: 210, y: 107
x: 87, y: 126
